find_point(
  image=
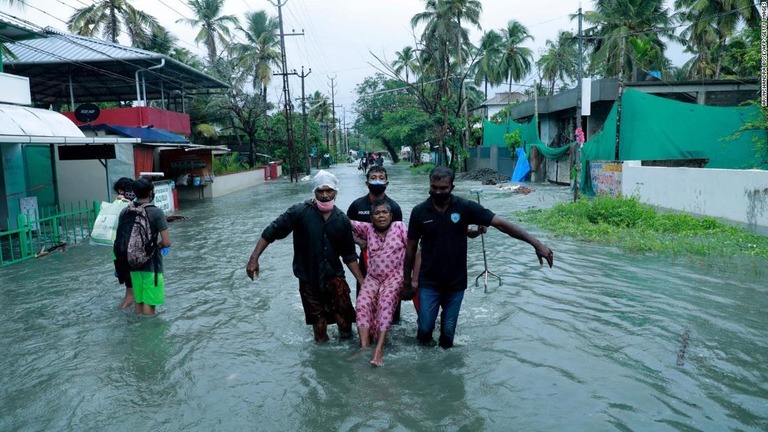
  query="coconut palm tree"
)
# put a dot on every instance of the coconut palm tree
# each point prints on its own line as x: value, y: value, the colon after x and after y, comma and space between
x: 614, y: 22
x: 160, y: 41
x: 109, y: 17
x: 444, y: 39
x: 711, y: 24
x: 319, y: 107
x: 443, y: 31
x: 559, y: 62
x: 516, y: 60
x: 406, y: 61
x: 261, y: 51
x: 486, y: 67
x: 213, y: 25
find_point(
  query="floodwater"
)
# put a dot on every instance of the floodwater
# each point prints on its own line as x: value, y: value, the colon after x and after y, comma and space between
x: 605, y: 340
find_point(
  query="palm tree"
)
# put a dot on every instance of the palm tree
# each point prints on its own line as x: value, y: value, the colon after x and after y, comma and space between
x: 712, y: 23
x: 443, y: 38
x: 486, y: 68
x: 213, y: 25
x: 160, y: 41
x: 406, y: 61
x: 443, y: 32
x: 615, y: 22
x: 262, y: 48
x: 559, y: 62
x: 516, y: 60
x: 187, y: 57
x: 319, y: 107
x: 108, y: 17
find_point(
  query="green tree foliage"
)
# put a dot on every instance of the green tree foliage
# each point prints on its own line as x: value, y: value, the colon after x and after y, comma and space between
x: 710, y: 24
x: 559, y: 63
x: 261, y: 52
x: 516, y: 59
x: 487, y: 68
x: 110, y: 18
x: 444, y: 50
x: 277, y: 143
x: 382, y: 105
x: 213, y: 25
x: 405, y: 62
x: 613, y: 27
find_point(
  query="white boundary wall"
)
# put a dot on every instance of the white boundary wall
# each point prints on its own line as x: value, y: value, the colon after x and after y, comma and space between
x: 736, y: 195
x: 228, y: 183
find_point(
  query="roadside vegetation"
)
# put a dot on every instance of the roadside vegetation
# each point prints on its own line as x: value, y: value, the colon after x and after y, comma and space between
x: 422, y: 169
x: 639, y: 228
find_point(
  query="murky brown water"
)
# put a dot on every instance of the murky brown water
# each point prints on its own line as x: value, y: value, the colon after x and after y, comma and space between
x: 592, y: 344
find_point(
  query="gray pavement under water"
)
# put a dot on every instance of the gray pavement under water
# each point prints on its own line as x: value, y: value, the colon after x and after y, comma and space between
x: 605, y: 340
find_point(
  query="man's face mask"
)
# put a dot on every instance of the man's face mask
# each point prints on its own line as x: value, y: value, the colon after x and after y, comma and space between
x: 377, y: 187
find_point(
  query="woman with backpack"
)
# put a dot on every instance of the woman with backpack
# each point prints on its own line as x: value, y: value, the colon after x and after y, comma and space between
x: 137, y: 247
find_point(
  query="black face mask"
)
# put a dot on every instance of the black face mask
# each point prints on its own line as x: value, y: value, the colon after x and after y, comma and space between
x: 440, y: 198
x: 377, y: 188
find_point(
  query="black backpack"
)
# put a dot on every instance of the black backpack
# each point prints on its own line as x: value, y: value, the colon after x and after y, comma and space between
x: 135, y: 243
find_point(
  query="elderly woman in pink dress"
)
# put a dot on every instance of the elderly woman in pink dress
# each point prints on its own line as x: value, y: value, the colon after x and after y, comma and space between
x: 380, y: 293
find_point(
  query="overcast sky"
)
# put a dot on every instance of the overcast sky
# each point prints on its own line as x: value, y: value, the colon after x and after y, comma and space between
x: 339, y: 35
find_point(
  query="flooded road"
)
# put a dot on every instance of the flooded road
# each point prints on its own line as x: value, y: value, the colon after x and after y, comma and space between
x: 603, y: 341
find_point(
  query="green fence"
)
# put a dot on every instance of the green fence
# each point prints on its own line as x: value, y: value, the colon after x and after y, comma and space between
x: 45, y: 230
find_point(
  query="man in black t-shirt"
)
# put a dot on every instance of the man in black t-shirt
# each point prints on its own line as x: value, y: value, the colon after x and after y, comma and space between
x: 360, y: 210
x: 440, y: 223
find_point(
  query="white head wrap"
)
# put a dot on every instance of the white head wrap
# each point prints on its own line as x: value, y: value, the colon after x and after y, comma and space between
x: 325, y: 178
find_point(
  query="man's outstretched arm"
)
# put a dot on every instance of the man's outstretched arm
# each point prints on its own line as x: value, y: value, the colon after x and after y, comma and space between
x: 512, y: 230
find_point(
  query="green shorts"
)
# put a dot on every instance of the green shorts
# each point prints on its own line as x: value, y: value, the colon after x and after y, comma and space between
x: 144, y: 289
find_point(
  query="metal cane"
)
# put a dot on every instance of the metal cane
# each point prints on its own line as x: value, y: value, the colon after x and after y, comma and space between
x: 485, y: 272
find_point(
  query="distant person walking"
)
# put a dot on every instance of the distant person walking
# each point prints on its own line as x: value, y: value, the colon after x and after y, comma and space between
x: 322, y: 238
x: 440, y: 225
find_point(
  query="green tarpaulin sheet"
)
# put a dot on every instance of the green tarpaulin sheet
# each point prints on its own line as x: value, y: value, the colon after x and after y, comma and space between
x: 655, y: 128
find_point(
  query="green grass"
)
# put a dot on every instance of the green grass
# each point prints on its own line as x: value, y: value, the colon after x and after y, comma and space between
x: 422, y: 169
x: 640, y: 228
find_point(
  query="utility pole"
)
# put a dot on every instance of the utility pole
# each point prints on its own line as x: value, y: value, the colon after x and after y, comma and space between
x: 763, y: 54
x: 535, y: 102
x: 333, y: 114
x: 344, y: 137
x: 618, y: 120
x: 304, y: 118
x: 577, y: 146
x: 288, y: 108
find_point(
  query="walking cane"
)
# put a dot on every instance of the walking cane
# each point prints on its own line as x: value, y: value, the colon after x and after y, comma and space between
x: 485, y: 272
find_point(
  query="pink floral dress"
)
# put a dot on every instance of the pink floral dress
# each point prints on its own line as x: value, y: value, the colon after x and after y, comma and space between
x: 380, y: 292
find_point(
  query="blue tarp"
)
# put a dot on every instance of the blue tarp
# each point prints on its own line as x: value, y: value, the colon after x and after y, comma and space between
x: 522, y: 168
x: 147, y: 135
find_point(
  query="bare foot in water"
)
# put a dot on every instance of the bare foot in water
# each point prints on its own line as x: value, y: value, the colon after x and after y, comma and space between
x: 357, y: 354
x: 127, y: 302
x: 378, y: 358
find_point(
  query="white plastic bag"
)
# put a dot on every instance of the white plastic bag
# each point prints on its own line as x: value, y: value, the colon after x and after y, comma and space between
x: 105, y: 225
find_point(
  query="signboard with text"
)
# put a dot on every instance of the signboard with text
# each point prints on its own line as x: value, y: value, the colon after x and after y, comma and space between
x: 164, y: 197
